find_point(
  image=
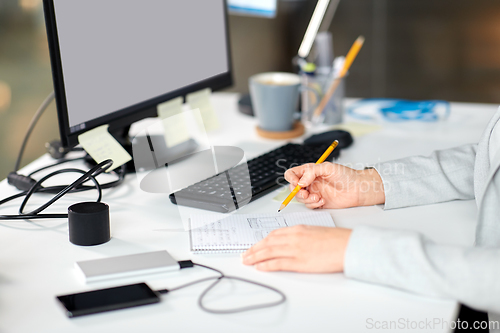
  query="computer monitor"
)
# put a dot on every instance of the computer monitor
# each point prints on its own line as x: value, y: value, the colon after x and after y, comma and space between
x: 114, y: 61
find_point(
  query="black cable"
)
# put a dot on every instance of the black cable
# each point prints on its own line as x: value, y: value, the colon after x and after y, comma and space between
x: 12, y: 197
x: 86, y: 176
x: 244, y: 308
x: 165, y: 291
x: 35, y: 214
x: 58, y: 188
x: 219, y: 279
x: 208, y: 267
x: 29, y: 186
x: 121, y: 172
x: 55, y: 164
x: 75, y: 186
x: 221, y: 275
x: 31, y: 126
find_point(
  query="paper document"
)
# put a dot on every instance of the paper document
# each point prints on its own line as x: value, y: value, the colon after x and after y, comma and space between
x: 239, y: 232
x: 101, y: 145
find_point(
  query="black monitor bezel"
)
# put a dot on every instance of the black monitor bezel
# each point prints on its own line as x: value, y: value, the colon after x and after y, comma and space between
x: 119, y: 119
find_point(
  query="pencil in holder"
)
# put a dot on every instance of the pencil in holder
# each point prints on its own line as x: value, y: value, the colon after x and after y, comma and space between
x: 313, y: 88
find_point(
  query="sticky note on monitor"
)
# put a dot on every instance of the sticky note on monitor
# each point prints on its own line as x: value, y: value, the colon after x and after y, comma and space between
x: 174, y: 124
x: 201, y: 100
x: 101, y: 145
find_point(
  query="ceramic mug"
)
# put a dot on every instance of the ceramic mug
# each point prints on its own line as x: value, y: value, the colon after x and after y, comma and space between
x: 275, y: 99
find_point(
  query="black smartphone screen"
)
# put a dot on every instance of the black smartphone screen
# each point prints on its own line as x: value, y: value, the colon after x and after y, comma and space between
x: 108, y: 299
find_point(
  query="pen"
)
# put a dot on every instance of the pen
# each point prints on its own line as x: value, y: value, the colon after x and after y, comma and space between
x: 319, y: 161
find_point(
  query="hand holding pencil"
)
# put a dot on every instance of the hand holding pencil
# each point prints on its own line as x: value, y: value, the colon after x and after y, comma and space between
x: 298, y: 187
x: 351, y: 55
x: 334, y: 186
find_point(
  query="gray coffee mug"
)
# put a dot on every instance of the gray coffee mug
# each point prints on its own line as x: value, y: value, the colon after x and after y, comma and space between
x: 275, y: 99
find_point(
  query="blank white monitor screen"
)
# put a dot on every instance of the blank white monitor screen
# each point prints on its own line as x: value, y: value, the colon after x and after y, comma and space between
x: 117, y: 53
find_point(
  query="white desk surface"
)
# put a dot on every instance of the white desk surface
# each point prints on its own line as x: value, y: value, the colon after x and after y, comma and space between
x: 37, y: 260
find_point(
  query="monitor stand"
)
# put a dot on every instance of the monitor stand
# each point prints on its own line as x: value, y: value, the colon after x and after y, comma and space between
x: 152, y: 148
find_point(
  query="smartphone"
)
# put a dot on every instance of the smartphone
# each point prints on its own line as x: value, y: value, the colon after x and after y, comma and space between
x: 108, y: 299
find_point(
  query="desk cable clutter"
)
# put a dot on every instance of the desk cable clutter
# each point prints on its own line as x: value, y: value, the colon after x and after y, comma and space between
x: 79, y: 215
x: 96, y: 212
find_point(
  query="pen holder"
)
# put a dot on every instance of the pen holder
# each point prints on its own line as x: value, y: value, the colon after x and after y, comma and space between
x: 313, y: 88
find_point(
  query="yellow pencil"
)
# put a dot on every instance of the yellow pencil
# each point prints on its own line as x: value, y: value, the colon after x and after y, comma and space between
x: 351, y: 55
x: 319, y: 161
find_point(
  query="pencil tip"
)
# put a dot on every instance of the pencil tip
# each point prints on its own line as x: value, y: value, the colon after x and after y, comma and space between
x: 279, y: 210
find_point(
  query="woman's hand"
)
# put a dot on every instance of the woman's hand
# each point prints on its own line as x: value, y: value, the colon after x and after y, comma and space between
x: 329, y: 185
x: 302, y: 248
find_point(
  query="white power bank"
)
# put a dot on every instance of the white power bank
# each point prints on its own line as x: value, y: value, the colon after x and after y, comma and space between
x: 127, y: 266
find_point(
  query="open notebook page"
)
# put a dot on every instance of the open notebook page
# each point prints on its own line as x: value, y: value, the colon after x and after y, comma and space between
x: 239, y: 232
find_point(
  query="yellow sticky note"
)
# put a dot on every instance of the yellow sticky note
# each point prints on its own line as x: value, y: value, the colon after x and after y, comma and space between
x: 174, y: 124
x: 203, y: 94
x: 358, y: 129
x: 201, y: 100
x: 101, y: 145
x: 283, y: 194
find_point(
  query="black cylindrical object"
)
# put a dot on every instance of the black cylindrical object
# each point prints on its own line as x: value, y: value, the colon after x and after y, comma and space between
x: 89, y: 223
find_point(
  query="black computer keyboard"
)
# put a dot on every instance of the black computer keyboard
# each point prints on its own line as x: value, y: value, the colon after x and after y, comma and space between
x: 244, y: 183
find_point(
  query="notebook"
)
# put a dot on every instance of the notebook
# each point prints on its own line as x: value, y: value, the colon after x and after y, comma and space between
x: 238, y: 232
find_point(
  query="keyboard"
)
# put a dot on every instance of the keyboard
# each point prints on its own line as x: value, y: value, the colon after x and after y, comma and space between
x: 244, y: 183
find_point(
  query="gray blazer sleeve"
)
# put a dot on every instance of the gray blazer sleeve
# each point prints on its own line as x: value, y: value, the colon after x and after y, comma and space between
x: 409, y: 261
x: 445, y: 175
